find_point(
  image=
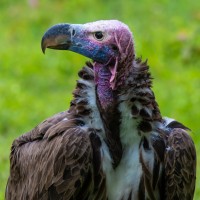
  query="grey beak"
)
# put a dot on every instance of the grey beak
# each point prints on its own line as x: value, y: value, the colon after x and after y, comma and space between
x: 57, y: 37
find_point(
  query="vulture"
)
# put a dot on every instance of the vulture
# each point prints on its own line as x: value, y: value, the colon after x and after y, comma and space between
x: 112, y: 143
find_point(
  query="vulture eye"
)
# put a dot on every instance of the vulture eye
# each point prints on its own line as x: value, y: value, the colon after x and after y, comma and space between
x: 99, y: 35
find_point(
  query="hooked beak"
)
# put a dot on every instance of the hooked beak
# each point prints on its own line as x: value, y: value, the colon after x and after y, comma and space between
x: 74, y: 37
x: 57, y: 37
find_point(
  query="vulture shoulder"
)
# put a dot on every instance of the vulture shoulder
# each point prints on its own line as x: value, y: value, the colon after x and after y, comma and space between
x: 57, y: 159
x: 52, y: 157
x: 179, y: 163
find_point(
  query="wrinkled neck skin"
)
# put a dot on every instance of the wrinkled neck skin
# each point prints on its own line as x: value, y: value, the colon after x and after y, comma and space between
x: 105, y: 93
x: 107, y: 99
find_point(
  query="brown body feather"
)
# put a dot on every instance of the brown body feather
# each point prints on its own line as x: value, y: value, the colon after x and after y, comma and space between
x: 60, y: 159
x: 180, y: 165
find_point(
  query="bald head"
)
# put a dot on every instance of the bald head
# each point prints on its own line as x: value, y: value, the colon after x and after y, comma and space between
x: 101, y: 40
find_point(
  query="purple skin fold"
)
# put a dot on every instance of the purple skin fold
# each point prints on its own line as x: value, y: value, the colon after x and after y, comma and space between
x: 102, y: 80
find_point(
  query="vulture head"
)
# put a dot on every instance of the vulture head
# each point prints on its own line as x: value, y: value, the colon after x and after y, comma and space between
x: 108, y: 43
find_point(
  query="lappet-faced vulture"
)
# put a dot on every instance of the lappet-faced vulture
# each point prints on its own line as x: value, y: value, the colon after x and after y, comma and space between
x: 112, y: 143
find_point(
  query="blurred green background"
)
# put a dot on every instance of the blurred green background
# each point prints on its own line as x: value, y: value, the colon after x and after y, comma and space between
x: 34, y: 87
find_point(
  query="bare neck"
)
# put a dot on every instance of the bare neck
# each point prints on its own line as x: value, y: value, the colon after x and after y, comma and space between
x: 105, y: 94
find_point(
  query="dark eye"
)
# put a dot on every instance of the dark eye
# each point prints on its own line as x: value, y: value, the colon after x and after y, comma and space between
x: 99, y: 35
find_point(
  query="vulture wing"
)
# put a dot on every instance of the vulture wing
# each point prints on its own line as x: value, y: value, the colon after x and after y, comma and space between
x: 50, y: 161
x: 180, y: 164
x: 57, y: 159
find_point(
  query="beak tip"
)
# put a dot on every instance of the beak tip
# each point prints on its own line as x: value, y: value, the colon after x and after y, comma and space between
x: 43, y: 46
x: 43, y: 50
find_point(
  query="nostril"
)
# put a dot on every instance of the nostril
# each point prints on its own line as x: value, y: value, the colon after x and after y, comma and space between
x: 73, y: 32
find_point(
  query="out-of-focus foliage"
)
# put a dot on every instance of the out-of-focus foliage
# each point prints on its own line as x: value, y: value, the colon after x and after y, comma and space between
x: 34, y: 87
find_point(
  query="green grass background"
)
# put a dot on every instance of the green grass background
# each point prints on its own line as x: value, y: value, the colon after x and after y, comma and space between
x: 34, y: 87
